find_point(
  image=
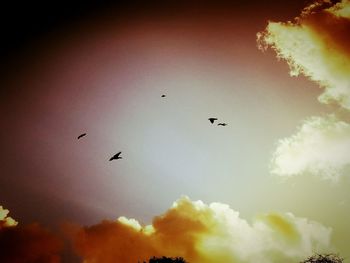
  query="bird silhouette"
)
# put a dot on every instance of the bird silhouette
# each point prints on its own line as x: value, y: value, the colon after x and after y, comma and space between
x: 163, y: 96
x: 116, y: 156
x: 212, y: 120
x: 222, y: 124
x: 81, y: 135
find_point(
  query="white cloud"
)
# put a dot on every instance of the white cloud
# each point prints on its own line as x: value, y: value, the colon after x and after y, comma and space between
x: 320, y: 147
x: 312, y: 47
x: 316, y: 44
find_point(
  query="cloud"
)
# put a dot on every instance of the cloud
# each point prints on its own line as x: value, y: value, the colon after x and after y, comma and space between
x: 6, y: 221
x: 316, y: 44
x: 191, y: 229
x: 26, y: 244
x: 320, y: 147
x: 202, y: 233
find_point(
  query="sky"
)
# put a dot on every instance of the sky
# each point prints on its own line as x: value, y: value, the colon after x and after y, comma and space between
x: 270, y: 186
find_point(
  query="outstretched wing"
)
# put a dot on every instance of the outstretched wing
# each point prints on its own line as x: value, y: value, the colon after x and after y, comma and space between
x: 81, y: 135
x: 116, y: 156
x: 212, y: 120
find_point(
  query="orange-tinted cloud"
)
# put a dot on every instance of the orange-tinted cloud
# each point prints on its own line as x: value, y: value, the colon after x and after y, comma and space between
x: 316, y: 44
x: 198, y: 232
x: 203, y: 233
x: 175, y: 233
x: 26, y: 244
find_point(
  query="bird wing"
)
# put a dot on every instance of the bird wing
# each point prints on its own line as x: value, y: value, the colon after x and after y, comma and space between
x: 116, y: 156
x: 81, y: 135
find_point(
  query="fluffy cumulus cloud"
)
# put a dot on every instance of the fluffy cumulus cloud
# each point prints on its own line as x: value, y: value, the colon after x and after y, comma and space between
x: 26, y: 244
x: 321, y: 146
x: 316, y: 44
x: 202, y: 233
x: 198, y: 232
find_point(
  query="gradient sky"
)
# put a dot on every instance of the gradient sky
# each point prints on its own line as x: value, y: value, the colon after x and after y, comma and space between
x: 102, y: 71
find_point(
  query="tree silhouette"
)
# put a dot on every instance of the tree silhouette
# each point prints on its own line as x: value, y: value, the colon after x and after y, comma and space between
x: 166, y: 260
x: 326, y: 258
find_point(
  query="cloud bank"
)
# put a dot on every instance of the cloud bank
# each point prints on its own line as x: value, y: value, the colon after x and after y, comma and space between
x: 316, y: 44
x: 198, y: 232
x: 203, y: 233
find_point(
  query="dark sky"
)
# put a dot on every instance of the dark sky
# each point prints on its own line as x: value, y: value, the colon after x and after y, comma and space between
x: 24, y: 22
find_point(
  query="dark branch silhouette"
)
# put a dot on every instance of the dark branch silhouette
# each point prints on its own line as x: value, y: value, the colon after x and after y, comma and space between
x: 81, y: 135
x: 166, y: 260
x: 116, y: 156
x: 323, y: 258
x: 212, y: 120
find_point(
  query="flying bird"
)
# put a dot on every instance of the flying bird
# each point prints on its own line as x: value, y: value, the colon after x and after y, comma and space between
x: 212, y: 120
x: 222, y: 124
x: 81, y: 135
x: 163, y: 96
x: 116, y: 156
